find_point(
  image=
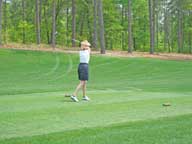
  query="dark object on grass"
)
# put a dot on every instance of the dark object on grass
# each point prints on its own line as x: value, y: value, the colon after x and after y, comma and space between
x: 166, y: 104
x: 67, y: 95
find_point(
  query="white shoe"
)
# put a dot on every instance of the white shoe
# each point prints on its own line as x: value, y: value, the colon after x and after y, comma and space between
x: 86, y: 98
x: 74, y: 98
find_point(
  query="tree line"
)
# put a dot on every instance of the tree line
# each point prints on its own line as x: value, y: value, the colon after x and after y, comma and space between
x: 139, y: 25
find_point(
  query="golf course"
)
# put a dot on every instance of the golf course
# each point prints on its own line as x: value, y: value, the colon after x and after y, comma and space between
x: 126, y: 106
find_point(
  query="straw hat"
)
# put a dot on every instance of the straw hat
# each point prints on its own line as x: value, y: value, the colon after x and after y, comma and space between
x: 86, y: 43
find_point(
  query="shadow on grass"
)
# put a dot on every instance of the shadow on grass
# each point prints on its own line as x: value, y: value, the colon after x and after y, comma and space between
x: 67, y: 100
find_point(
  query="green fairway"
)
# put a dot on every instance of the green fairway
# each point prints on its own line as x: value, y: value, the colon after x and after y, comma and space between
x: 126, y: 100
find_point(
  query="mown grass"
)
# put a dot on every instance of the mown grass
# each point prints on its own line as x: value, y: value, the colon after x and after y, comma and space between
x: 126, y: 100
x: 174, y: 130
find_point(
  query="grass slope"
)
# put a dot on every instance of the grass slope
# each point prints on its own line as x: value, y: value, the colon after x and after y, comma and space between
x: 126, y: 107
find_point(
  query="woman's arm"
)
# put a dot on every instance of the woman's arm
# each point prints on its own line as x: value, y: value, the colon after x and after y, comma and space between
x: 89, y: 49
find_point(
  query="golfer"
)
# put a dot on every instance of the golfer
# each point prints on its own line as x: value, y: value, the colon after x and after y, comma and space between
x: 83, y: 70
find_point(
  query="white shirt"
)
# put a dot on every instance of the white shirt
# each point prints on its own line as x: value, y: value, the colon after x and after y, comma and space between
x: 84, y: 56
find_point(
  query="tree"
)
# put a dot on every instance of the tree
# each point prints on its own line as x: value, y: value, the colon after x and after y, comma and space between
x: 129, y: 28
x: 46, y: 21
x: 24, y: 20
x: 122, y: 24
x: 190, y: 35
x: 38, y: 33
x: 112, y: 24
x: 1, y: 2
x: 101, y: 24
x: 40, y: 12
x: 53, y: 23
x: 180, y: 28
x: 89, y: 24
x: 82, y: 20
x: 67, y: 25
x: 166, y: 25
x: 95, y: 25
x: 157, y: 23
x: 5, y: 21
x: 73, y: 23
x: 152, y: 25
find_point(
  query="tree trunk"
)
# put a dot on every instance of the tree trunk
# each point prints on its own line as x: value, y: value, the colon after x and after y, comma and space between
x: 1, y: 2
x: 190, y: 35
x: 171, y: 35
x: 53, y: 24
x: 153, y: 16
x: 60, y: 5
x: 46, y: 23
x: 134, y: 44
x: 67, y: 27
x: 101, y: 23
x: 38, y: 34
x: 81, y: 23
x: 190, y: 43
x: 122, y: 24
x: 88, y: 22
x: 157, y: 24
x: 40, y: 12
x: 129, y: 28
x: 165, y: 26
x: 5, y: 21
x: 151, y: 19
x: 123, y: 36
x: 23, y: 18
x: 182, y: 32
x: 95, y: 25
x: 179, y: 31
x: 73, y: 23
x: 157, y: 31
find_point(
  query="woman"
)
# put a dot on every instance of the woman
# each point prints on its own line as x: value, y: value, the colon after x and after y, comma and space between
x: 83, y: 70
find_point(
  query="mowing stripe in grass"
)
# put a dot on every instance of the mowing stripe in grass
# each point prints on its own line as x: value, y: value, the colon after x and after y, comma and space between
x: 175, y: 130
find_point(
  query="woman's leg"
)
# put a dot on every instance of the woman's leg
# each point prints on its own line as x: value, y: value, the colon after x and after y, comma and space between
x: 78, y: 88
x: 84, y: 88
x: 86, y: 98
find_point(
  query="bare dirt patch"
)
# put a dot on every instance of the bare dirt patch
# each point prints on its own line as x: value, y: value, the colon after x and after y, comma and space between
x: 165, y: 56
